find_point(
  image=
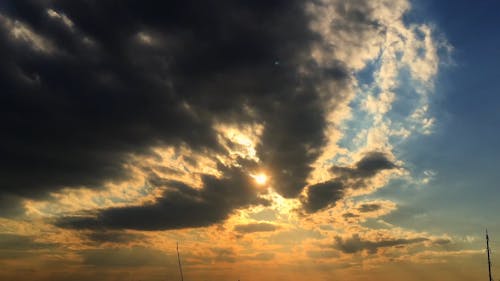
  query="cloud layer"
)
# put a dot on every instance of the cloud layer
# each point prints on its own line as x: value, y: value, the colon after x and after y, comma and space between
x: 88, y: 86
x: 128, y: 126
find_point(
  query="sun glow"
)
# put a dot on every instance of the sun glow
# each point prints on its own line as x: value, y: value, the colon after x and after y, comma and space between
x: 260, y: 178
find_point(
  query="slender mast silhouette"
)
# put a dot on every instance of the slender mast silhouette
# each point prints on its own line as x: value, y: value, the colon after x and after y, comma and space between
x: 488, y: 251
x: 179, y: 259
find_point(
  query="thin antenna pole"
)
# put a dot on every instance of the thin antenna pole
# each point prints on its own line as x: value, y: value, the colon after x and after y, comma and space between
x: 488, y: 251
x: 180, y: 266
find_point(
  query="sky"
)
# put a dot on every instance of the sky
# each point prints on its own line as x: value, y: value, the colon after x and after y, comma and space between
x: 272, y: 140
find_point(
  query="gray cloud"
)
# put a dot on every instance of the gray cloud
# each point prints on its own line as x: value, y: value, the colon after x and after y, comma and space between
x: 350, y: 216
x: 180, y: 206
x: 21, y: 242
x: 367, y: 167
x: 322, y: 195
x: 356, y: 244
x: 13, y: 246
x: 120, y: 237
x: 255, y: 227
x: 367, y: 208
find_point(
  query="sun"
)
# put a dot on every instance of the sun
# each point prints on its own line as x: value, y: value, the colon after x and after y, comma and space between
x: 260, y: 178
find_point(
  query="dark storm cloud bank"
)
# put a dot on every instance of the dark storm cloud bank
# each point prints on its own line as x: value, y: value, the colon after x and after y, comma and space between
x: 181, y: 206
x: 130, y: 75
x: 356, y: 244
x: 322, y: 195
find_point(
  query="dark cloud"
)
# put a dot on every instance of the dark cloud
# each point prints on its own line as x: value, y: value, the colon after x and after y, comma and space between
x: 350, y: 216
x: 367, y: 208
x: 14, y: 246
x: 180, y: 206
x: 131, y: 75
x: 255, y: 227
x: 120, y: 237
x: 322, y: 195
x: 367, y: 167
x: 21, y: 242
x: 356, y: 244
